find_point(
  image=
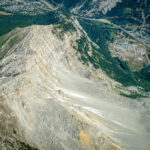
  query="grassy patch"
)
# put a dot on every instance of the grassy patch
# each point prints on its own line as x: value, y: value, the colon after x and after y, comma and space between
x: 65, y: 27
x: 9, y: 45
x: 133, y: 95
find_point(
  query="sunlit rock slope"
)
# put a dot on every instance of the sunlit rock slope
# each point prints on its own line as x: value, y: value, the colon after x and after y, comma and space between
x: 60, y: 89
x: 59, y: 104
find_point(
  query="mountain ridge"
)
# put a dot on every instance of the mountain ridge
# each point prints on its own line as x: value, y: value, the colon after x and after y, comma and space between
x: 62, y: 85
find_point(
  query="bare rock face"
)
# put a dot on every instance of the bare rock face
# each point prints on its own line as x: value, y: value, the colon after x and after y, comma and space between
x: 109, y: 5
x: 52, y: 97
x: 31, y: 92
x: 95, y: 7
x: 56, y: 104
x: 26, y: 7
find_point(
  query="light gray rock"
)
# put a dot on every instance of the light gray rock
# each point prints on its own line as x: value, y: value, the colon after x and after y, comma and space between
x: 56, y: 105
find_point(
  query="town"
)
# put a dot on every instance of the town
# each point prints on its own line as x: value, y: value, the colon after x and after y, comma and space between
x: 130, y: 51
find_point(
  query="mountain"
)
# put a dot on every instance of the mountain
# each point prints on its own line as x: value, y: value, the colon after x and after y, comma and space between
x: 74, y: 75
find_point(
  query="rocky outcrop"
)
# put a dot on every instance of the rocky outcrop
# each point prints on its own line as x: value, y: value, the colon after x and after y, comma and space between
x: 51, y: 95
x: 58, y: 102
x: 31, y: 88
x: 26, y: 7
x: 95, y: 7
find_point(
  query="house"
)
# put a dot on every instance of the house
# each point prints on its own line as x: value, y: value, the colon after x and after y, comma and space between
x: 124, y: 42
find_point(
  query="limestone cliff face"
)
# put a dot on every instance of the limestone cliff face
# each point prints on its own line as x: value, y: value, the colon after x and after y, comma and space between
x: 26, y: 6
x: 35, y: 72
x: 59, y: 103
x: 55, y: 88
x: 93, y: 7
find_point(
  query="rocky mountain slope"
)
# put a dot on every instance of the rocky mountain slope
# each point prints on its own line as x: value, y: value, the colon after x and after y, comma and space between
x: 60, y: 88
